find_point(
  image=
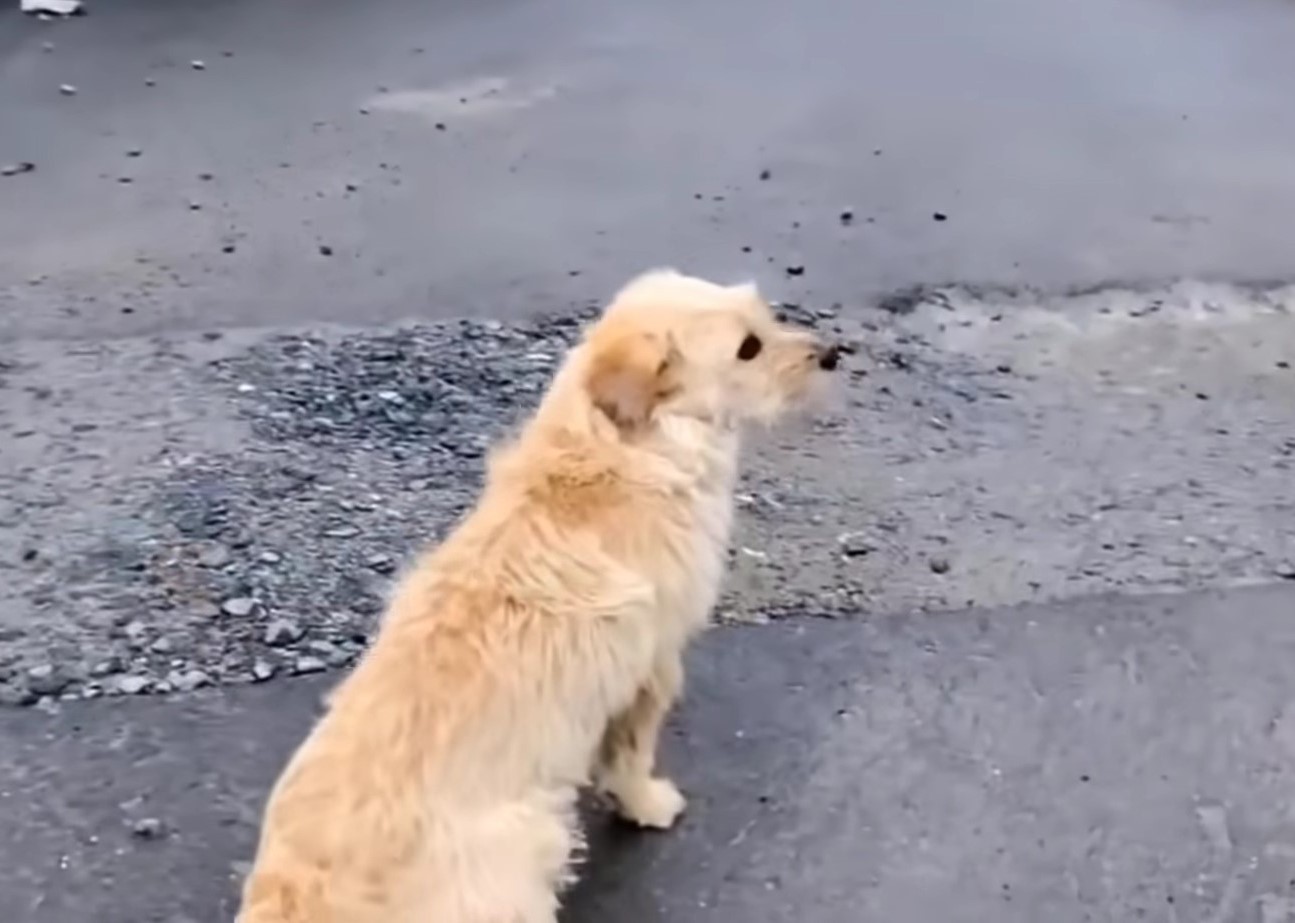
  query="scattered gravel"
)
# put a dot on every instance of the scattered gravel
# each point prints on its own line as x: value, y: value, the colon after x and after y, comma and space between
x: 248, y: 522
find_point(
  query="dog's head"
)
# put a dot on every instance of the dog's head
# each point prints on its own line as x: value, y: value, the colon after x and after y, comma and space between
x: 673, y: 344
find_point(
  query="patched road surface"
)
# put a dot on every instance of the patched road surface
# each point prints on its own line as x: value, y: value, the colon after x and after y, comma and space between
x: 1010, y: 620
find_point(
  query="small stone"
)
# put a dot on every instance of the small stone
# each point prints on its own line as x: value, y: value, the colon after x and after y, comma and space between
x: 765, y: 174
x: 1285, y: 570
x: 239, y: 606
x: 14, y: 169
x: 150, y: 82
x: 269, y: 557
x: 134, y: 152
x: 19, y: 696
x: 325, y: 250
x: 847, y: 217
x: 305, y: 665
x: 939, y: 565
x: 261, y: 671
x: 215, y: 557
x: 47, y: 679
x: 67, y: 89
x: 795, y: 270
x: 162, y: 646
x: 106, y: 667
x: 382, y: 563
x: 940, y: 216
x: 188, y: 680
x: 147, y: 828
x: 198, y: 65
x: 341, y: 532
x: 195, y: 206
x: 282, y: 632
x: 856, y: 544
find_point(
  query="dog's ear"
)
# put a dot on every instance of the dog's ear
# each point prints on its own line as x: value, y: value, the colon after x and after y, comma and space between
x: 629, y: 375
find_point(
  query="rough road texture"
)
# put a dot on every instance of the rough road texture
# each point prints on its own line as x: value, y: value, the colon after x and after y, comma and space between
x: 225, y: 510
x: 1093, y: 760
x: 259, y: 315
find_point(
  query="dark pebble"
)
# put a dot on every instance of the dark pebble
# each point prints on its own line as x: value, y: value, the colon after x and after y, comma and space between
x: 765, y: 174
x: 940, y: 216
x: 847, y: 217
x: 147, y: 828
x: 795, y: 270
x: 325, y: 250
x: 939, y: 565
x: 228, y: 248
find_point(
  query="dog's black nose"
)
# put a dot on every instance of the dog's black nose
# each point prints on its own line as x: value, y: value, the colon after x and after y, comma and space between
x: 829, y: 357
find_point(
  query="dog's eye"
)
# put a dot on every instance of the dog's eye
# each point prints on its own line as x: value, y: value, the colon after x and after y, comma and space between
x: 750, y: 348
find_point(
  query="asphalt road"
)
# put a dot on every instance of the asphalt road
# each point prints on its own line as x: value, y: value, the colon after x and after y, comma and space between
x: 1069, y: 145
x: 1099, y: 760
x: 1088, y: 757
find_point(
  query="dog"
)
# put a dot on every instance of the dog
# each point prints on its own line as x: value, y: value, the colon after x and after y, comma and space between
x: 539, y: 648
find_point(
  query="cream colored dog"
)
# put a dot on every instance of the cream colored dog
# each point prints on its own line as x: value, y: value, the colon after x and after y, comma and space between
x: 539, y: 648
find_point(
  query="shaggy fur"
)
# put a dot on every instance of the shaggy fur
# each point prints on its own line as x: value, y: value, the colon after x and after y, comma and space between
x: 539, y: 647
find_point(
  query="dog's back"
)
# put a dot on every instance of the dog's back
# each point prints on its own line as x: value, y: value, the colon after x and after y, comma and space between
x: 443, y: 773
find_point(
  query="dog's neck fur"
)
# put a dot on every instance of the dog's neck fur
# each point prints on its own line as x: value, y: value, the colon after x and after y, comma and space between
x: 688, y: 451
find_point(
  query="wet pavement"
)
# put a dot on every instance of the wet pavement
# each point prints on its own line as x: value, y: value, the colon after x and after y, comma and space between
x: 1099, y: 760
x: 1067, y: 145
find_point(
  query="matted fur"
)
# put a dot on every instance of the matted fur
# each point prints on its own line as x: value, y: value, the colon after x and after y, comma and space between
x: 538, y: 649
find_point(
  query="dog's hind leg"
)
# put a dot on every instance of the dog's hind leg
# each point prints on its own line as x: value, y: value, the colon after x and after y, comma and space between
x: 627, y: 756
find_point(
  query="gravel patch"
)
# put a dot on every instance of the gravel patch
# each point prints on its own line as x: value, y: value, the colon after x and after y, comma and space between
x: 231, y: 510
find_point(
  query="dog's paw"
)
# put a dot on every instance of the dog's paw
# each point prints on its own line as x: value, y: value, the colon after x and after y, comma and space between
x: 654, y: 803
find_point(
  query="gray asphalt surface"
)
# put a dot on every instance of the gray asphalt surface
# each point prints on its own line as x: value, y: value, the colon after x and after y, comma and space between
x: 1100, y: 760
x: 1085, y: 717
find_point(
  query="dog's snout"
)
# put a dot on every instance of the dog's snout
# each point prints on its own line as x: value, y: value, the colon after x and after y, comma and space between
x: 828, y: 357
